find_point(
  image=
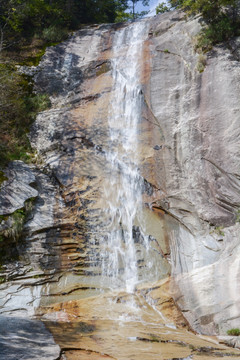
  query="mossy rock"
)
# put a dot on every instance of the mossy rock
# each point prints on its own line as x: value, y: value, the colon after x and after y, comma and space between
x: 102, y: 69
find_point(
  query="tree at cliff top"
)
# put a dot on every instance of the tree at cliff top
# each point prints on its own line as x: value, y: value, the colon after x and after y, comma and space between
x: 93, y: 11
x: 162, y: 8
x: 129, y: 13
x: 132, y: 6
x: 210, y: 10
x: 50, y: 19
x: 222, y: 18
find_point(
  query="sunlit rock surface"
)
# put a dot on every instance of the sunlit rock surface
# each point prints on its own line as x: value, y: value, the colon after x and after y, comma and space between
x: 126, y: 326
x: 16, y: 189
x: 189, y: 163
x: 198, y: 117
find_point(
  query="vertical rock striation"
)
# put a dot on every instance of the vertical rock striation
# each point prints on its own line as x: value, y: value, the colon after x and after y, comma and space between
x: 197, y: 115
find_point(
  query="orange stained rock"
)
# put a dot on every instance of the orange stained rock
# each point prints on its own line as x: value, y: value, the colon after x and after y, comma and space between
x: 124, y: 326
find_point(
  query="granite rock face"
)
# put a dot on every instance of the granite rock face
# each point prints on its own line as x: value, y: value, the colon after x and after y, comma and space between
x: 189, y: 162
x: 17, y: 188
x: 190, y: 151
x: 198, y: 117
x: 26, y: 339
x: 28, y: 260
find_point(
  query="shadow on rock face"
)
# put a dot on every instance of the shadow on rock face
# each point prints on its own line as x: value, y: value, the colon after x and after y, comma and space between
x: 26, y: 339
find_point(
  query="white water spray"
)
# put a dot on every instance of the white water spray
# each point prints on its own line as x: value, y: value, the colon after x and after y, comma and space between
x: 123, y: 187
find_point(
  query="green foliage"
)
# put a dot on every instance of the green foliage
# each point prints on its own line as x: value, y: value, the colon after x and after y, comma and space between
x: 162, y: 8
x: 12, y: 233
x: 215, y: 33
x: 12, y: 230
x: 3, y: 217
x: 15, y: 222
x: 132, y: 7
x: 37, y: 103
x: 123, y: 16
x: 38, y: 276
x: 2, y: 179
x: 220, y: 16
x: 33, y: 53
x: 15, y: 230
x: 210, y: 10
x: 28, y: 206
x: 18, y: 109
x: 202, y: 61
x: 234, y: 332
x: 219, y: 230
x: 50, y: 19
x: 54, y: 34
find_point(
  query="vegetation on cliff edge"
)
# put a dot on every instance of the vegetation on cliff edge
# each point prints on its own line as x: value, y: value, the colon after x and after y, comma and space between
x: 18, y: 108
x: 234, y: 332
x: 221, y: 19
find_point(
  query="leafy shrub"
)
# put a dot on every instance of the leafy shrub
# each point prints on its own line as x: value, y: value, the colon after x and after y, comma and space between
x: 2, y: 179
x: 18, y: 109
x: 12, y: 230
x: 234, y: 332
x: 162, y: 8
x: 54, y: 34
x: 219, y: 230
x: 17, y: 222
x: 38, y: 102
x: 220, y: 30
x: 221, y: 19
x: 202, y: 61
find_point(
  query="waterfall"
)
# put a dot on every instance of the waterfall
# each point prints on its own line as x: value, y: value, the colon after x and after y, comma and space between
x: 123, y: 185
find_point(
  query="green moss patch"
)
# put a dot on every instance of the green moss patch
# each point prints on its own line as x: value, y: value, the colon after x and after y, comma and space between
x: 102, y: 69
x: 2, y: 178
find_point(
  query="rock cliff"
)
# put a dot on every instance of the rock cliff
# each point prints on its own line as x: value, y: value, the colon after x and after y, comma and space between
x: 198, y: 117
x: 189, y: 162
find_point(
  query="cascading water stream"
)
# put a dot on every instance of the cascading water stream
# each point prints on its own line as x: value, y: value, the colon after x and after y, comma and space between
x: 111, y: 298
x: 123, y: 186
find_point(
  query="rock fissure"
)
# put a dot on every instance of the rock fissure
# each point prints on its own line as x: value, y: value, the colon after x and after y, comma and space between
x: 63, y: 350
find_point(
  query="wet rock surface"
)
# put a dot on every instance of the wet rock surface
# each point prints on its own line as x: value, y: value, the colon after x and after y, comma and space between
x: 188, y: 132
x: 126, y: 326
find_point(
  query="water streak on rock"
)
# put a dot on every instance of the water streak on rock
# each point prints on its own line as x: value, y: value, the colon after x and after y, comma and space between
x: 123, y: 184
